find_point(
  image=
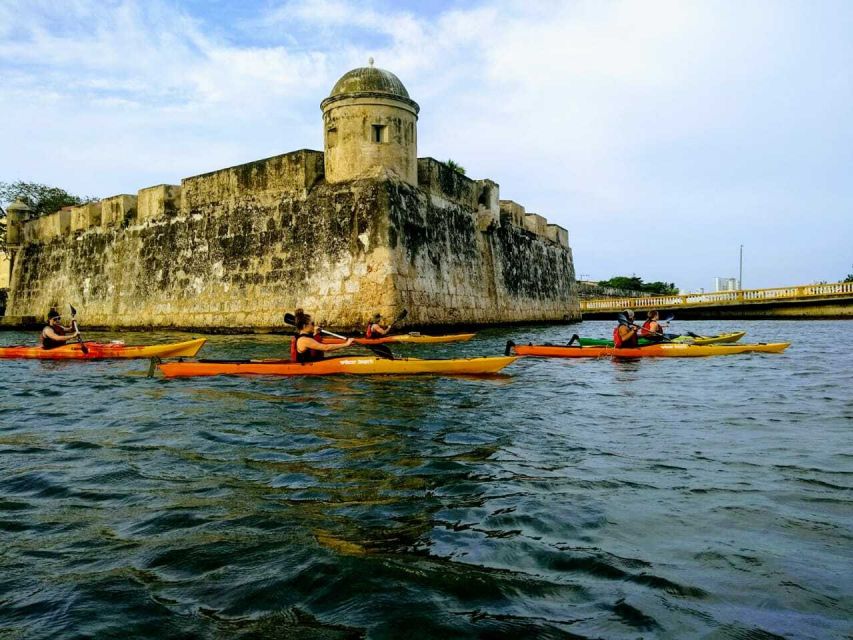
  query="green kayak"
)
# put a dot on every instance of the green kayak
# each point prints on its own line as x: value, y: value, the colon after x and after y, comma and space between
x: 723, y: 337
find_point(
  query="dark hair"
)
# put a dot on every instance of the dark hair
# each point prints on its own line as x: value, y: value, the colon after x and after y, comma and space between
x: 53, y: 313
x: 376, y: 317
x: 302, y: 319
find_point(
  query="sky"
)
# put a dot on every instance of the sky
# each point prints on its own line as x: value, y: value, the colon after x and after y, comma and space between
x: 662, y: 134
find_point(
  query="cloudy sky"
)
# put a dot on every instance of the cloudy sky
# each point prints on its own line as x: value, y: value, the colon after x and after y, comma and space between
x: 662, y: 134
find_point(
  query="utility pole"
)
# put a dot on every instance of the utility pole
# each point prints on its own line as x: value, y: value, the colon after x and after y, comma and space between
x: 740, y: 270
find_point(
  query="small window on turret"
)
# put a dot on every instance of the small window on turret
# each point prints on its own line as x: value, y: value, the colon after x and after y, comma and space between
x: 331, y: 136
x: 379, y: 133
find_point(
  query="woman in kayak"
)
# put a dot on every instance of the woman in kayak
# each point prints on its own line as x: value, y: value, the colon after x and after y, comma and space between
x: 54, y: 334
x: 375, y: 329
x: 625, y: 335
x: 651, y: 329
x: 307, y: 344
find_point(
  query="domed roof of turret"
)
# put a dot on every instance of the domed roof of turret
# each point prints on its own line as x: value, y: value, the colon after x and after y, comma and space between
x: 369, y: 79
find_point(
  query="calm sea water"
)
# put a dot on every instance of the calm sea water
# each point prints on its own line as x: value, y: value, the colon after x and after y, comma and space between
x: 706, y: 498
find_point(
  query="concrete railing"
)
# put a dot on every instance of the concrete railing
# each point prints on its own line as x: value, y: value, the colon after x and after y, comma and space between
x: 721, y: 298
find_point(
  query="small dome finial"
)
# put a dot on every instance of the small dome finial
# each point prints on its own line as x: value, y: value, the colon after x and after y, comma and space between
x: 370, y: 61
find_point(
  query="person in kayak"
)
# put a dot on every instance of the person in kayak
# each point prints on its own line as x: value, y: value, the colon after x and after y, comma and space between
x: 375, y: 329
x: 651, y: 329
x: 307, y: 344
x: 625, y: 334
x: 54, y: 334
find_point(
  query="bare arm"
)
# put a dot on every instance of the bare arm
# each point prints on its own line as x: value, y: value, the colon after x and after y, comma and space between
x: 307, y: 342
x: 50, y: 333
x: 378, y: 328
x: 626, y: 331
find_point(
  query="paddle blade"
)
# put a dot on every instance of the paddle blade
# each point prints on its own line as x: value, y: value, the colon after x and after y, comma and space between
x: 402, y: 316
x: 290, y: 319
x: 73, y: 310
x: 381, y: 350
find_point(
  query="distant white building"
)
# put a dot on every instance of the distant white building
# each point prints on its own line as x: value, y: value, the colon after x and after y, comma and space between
x: 726, y: 284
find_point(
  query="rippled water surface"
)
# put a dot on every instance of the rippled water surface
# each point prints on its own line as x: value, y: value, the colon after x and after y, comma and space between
x: 702, y: 498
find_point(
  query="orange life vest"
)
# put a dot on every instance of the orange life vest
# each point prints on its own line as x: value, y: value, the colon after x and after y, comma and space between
x: 619, y: 343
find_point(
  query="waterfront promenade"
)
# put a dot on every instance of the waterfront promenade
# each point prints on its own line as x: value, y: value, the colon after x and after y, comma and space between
x: 834, y: 300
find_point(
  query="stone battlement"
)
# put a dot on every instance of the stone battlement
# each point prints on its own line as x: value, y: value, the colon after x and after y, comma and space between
x: 294, y: 174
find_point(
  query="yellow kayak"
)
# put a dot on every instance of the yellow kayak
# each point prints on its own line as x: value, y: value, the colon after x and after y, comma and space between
x: 407, y: 337
x: 349, y: 365
x: 660, y: 350
x: 700, y: 340
x: 106, y: 351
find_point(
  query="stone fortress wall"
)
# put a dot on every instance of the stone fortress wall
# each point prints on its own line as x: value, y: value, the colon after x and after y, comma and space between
x: 235, y: 248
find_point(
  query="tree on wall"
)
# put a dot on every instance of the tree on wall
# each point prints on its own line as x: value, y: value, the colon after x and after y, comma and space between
x: 41, y: 198
x: 849, y: 278
x: 455, y: 166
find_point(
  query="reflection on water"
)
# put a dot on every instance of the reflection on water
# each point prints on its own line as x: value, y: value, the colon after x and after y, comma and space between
x: 617, y: 499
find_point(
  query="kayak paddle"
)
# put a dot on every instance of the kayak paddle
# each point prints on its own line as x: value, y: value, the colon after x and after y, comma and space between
x: 623, y: 319
x: 83, y: 346
x: 380, y: 350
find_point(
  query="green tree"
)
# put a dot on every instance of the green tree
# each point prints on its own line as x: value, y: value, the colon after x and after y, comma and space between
x: 849, y: 278
x: 41, y: 198
x: 631, y: 283
x: 455, y: 166
x: 635, y: 283
x: 661, y: 288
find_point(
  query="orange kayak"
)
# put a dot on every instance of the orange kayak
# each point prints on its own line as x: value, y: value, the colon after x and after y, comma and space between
x: 406, y: 337
x: 104, y: 351
x: 333, y: 366
x: 664, y: 350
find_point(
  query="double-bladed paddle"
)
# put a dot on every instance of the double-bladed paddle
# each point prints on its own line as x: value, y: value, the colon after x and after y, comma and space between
x: 380, y: 350
x: 83, y: 346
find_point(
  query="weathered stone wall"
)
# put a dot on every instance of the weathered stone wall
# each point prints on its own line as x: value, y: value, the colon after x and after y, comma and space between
x: 235, y: 248
x: 450, y: 270
x: 246, y: 244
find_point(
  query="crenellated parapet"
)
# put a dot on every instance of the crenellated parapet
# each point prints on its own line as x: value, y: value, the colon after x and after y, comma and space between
x: 293, y: 174
x: 118, y: 211
x: 483, y: 197
x: 47, y: 227
x: 160, y: 202
x: 515, y: 214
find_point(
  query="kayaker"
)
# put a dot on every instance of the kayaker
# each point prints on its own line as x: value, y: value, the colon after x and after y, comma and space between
x: 651, y: 329
x: 375, y: 329
x: 54, y: 334
x: 625, y: 334
x: 307, y: 344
